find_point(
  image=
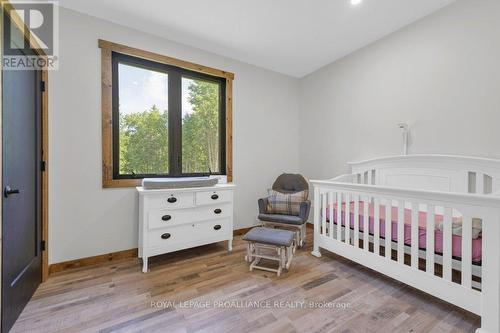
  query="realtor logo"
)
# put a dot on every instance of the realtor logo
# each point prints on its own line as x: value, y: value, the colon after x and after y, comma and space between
x: 30, y: 35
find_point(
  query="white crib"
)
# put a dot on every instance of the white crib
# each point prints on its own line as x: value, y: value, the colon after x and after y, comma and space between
x: 409, y: 189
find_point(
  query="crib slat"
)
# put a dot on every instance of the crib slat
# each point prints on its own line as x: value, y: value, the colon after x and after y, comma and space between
x: 376, y: 226
x: 401, y: 231
x: 366, y: 225
x: 487, y: 184
x: 414, y: 235
x: 479, y: 183
x: 323, y: 213
x: 369, y: 177
x: 330, y: 212
x: 467, y: 251
x: 429, y: 240
x: 388, y: 227
x: 355, y: 198
x: 347, y: 224
x: 339, y: 216
x: 447, y: 237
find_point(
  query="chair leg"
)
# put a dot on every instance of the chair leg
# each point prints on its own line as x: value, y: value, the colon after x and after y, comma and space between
x: 303, y: 233
x: 301, y: 236
x: 296, y: 241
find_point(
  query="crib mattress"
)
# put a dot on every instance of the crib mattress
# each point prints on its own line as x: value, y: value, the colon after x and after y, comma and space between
x: 422, y: 221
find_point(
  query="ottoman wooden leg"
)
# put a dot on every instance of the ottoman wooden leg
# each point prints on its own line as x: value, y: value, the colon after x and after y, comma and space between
x: 248, y: 257
x: 280, y: 256
x: 289, y: 256
x: 254, y: 264
x: 283, y: 256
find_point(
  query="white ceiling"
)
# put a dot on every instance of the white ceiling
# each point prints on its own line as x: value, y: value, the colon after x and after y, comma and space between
x: 293, y: 37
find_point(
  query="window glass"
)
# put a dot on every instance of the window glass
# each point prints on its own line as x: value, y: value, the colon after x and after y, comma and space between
x: 200, y: 126
x: 143, y: 121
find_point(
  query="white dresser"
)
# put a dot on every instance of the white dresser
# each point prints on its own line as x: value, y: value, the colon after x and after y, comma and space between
x: 176, y: 219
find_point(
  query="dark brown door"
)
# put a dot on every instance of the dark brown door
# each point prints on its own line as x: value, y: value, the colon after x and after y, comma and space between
x: 21, y: 211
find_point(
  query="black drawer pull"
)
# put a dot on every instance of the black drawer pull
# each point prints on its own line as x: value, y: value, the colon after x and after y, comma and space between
x: 172, y: 199
x: 218, y: 211
x: 165, y: 236
x: 166, y: 217
x: 217, y: 227
x: 214, y: 197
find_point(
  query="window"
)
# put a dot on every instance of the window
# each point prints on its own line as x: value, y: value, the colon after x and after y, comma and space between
x: 166, y: 120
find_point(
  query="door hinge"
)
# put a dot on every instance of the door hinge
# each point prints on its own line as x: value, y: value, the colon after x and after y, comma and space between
x: 42, y: 85
x: 42, y: 246
x: 42, y: 166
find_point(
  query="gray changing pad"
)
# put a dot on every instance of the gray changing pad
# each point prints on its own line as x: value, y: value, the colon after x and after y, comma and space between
x: 166, y: 183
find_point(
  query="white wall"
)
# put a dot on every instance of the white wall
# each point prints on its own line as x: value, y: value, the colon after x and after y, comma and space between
x: 441, y: 75
x: 86, y: 220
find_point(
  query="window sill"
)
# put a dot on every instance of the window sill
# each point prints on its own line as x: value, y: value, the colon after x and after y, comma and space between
x: 124, y: 183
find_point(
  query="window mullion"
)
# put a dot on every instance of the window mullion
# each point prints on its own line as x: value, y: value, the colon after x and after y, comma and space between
x: 175, y: 122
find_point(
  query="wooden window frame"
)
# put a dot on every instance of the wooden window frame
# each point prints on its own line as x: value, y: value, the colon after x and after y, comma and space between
x: 107, y: 50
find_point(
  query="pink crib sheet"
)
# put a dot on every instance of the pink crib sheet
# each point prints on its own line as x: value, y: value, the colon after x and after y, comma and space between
x: 422, y: 220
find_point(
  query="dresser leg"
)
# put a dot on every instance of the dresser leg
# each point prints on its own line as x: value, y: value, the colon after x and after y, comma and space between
x: 230, y: 245
x: 144, y: 264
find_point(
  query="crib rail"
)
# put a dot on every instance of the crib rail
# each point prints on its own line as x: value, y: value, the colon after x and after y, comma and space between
x: 381, y: 228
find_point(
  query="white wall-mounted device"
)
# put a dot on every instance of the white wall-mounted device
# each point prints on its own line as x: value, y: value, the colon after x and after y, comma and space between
x: 405, y: 129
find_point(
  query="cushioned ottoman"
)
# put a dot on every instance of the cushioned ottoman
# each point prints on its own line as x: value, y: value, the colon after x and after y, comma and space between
x: 272, y: 244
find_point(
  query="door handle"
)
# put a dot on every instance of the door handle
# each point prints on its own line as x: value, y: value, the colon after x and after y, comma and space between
x: 8, y: 191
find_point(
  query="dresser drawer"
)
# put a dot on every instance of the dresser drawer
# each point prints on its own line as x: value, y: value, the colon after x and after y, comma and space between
x: 213, y: 197
x: 167, y: 218
x: 189, y: 233
x: 215, y: 228
x: 171, y: 201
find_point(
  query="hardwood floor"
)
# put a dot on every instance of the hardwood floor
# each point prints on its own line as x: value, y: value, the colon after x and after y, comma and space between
x: 117, y: 297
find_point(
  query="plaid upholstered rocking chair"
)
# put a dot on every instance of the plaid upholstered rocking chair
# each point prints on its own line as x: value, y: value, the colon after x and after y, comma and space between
x: 287, y: 205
